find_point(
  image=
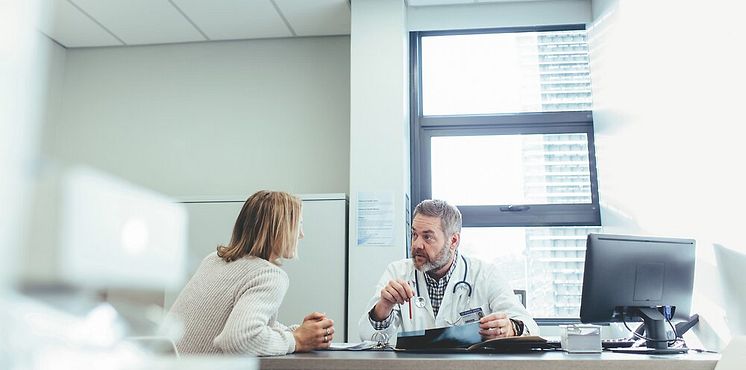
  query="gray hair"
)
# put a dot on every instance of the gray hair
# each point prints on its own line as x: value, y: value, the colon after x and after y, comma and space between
x: 450, y: 216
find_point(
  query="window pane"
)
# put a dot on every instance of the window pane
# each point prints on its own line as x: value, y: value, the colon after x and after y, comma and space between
x: 511, y: 169
x: 505, y: 73
x: 546, y: 262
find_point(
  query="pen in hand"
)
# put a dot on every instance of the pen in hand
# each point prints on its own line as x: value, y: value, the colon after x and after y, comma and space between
x: 410, y: 283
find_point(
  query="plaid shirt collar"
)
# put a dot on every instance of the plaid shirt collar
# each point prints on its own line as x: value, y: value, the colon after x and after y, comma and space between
x: 436, y: 288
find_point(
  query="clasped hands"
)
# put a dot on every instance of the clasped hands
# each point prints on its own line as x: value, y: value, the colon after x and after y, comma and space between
x: 316, y: 332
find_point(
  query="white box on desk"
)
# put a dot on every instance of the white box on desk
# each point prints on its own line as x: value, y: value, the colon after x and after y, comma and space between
x: 580, y: 338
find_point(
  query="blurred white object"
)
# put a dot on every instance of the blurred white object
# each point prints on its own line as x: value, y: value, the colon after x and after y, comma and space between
x: 89, y: 232
x: 732, y: 264
x: 20, y: 83
x: 39, y: 336
x: 95, y: 231
x: 734, y: 355
x: 161, y: 345
x: 119, y: 235
x: 580, y: 338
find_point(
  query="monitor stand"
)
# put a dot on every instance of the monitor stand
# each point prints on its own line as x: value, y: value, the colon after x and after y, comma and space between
x: 655, y: 329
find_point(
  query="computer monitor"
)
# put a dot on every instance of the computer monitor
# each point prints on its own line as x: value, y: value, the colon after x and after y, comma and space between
x: 628, y: 278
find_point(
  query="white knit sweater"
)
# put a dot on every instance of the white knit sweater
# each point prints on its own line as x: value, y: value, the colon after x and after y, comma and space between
x: 231, y: 307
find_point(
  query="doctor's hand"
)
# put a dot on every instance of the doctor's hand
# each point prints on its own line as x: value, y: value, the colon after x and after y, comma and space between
x: 496, y: 325
x: 316, y: 332
x: 395, y: 292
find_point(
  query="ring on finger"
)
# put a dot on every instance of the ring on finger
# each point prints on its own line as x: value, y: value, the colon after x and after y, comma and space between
x: 325, y: 338
x: 327, y: 331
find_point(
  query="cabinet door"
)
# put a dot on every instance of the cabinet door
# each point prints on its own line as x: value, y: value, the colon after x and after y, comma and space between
x: 318, y: 277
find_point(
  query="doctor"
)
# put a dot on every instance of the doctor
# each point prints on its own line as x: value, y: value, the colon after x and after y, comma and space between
x: 439, y: 287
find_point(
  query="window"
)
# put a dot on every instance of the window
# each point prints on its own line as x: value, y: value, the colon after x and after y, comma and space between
x: 504, y: 72
x: 501, y: 128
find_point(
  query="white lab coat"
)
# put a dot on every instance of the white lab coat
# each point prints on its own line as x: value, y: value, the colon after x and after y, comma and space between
x: 490, y: 291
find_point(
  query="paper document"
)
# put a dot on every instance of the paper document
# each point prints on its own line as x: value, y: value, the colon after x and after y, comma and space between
x: 353, y: 346
x: 375, y: 219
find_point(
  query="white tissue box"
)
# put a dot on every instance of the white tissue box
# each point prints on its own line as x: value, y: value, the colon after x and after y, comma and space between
x: 580, y: 338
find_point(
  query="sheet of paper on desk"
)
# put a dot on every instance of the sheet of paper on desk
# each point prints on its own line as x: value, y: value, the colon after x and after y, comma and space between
x: 353, y: 346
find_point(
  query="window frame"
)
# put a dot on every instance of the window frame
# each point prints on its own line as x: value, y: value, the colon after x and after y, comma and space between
x: 423, y: 128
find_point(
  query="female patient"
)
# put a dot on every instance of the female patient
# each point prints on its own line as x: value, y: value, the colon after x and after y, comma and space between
x: 230, y: 304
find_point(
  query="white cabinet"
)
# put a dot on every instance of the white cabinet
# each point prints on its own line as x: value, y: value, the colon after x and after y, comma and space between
x: 318, y: 275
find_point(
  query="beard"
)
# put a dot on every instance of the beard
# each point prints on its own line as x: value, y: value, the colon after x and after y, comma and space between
x: 443, y: 257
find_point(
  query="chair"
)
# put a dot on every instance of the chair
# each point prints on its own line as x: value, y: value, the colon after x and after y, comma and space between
x: 521, y: 293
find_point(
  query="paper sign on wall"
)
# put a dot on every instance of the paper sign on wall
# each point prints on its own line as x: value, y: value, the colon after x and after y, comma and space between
x: 375, y: 219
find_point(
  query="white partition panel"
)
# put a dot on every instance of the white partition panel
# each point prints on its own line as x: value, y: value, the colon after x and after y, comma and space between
x: 318, y: 276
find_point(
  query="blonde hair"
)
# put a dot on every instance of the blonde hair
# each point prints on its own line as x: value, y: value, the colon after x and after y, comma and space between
x: 267, y: 227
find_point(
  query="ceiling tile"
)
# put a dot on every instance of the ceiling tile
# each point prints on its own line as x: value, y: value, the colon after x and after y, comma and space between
x: 317, y: 17
x: 235, y: 19
x: 504, y: 1
x: 70, y: 27
x: 142, y: 21
x: 438, y: 2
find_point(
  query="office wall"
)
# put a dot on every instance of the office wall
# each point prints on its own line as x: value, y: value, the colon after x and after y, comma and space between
x: 501, y: 14
x: 379, y: 138
x: 53, y: 79
x: 668, y: 119
x: 210, y: 118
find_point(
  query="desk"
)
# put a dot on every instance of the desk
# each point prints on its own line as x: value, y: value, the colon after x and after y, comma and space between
x: 556, y: 360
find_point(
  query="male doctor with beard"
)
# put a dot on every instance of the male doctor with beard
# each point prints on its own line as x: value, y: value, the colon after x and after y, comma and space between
x: 440, y: 287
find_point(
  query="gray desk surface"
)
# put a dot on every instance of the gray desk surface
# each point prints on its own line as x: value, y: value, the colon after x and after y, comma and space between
x: 556, y: 360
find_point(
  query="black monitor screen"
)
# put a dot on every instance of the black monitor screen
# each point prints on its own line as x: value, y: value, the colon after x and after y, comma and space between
x: 626, y: 273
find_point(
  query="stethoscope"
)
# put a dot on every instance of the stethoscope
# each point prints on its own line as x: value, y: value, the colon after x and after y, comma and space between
x: 463, y: 284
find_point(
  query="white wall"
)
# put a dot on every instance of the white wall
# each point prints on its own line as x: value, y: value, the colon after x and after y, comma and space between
x: 501, y: 14
x: 668, y: 96
x: 210, y: 118
x: 379, y: 139
x: 53, y: 83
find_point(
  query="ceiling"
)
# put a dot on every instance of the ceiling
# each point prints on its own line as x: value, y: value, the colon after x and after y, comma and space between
x: 93, y: 23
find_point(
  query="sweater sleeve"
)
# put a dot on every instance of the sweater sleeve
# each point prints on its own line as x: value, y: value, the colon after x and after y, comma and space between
x: 249, y: 328
x: 282, y: 326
